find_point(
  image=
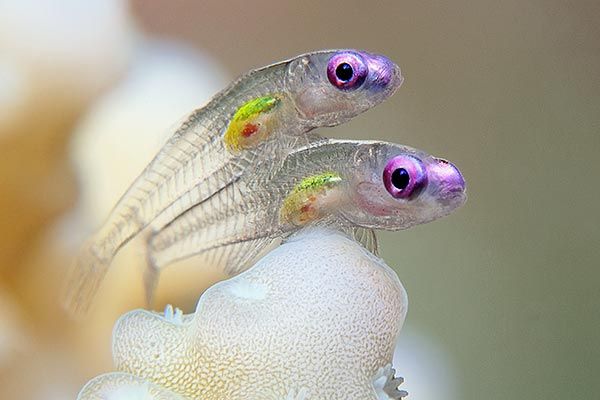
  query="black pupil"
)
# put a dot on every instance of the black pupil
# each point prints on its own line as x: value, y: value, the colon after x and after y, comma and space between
x: 344, y: 72
x: 400, y: 178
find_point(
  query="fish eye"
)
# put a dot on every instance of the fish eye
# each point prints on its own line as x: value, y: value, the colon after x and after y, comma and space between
x: 347, y: 70
x: 404, y: 177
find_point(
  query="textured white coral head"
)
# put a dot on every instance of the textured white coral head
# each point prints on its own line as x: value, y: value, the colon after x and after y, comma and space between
x: 318, y: 314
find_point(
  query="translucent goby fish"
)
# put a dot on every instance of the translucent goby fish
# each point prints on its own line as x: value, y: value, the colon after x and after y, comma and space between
x: 262, y: 114
x: 356, y: 186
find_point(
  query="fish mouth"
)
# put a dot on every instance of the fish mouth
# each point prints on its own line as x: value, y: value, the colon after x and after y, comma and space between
x: 453, y: 198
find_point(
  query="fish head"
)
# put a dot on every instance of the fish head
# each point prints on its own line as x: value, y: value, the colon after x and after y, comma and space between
x: 331, y: 87
x: 394, y: 187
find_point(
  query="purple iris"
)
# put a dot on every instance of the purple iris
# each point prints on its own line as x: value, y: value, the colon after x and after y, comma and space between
x: 404, y: 177
x: 347, y: 70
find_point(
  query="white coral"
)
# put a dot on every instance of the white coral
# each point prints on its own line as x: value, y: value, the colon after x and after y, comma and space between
x: 386, y: 384
x: 174, y: 316
x: 316, y: 318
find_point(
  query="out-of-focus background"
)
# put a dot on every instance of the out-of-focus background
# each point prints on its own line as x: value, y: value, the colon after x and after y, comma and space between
x: 504, y: 294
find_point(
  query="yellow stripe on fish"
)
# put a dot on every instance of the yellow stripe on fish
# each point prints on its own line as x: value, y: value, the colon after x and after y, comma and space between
x: 310, y: 199
x: 252, y: 123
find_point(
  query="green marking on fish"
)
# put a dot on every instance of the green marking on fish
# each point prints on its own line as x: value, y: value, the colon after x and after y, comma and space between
x: 317, y: 182
x: 250, y: 124
x: 300, y: 206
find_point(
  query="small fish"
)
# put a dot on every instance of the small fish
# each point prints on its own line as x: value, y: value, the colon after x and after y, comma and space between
x: 357, y: 186
x: 262, y: 115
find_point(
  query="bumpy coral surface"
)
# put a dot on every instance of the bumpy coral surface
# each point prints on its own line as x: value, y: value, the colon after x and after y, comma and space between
x: 317, y: 318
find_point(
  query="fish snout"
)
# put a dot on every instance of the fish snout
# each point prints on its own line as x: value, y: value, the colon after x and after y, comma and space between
x: 451, y: 185
x: 383, y: 73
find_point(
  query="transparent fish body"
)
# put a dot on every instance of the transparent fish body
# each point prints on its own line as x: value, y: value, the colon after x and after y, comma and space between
x: 345, y: 184
x: 262, y: 115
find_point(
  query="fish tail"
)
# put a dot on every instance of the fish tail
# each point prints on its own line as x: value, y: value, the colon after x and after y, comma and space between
x: 85, y: 277
x: 94, y: 259
x: 151, y: 276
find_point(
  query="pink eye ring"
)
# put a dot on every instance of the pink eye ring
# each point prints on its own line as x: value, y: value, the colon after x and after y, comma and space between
x: 347, y: 70
x: 404, y: 177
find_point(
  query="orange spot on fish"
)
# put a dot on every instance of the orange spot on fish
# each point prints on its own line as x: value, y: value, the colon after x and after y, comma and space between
x: 249, y: 129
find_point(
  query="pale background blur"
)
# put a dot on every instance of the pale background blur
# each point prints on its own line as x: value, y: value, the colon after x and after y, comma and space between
x: 504, y: 294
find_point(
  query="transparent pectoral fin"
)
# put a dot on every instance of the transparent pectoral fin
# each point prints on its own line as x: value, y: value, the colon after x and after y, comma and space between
x: 367, y: 238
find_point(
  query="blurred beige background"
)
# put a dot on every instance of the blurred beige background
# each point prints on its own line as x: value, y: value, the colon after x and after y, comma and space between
x: 507, y: 288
